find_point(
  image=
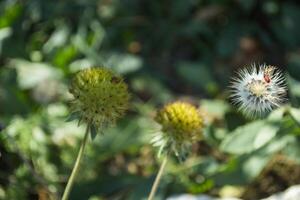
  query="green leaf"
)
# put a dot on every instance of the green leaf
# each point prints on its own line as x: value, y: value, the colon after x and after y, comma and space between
x: 264, y: 135
x: 255, y: 163
x: 295, y: 113
x: 30, y: 74
x: 5, y: 33
x: 277, y: 115
x: 217, y: 108
x: 11, y: 13
x: 93, y: 131
x: 249, y: 137
x: 294, y: 86
x: 57, y: 39
x: 123, y: 63
x: 293, y: 150
x: 73, y: 116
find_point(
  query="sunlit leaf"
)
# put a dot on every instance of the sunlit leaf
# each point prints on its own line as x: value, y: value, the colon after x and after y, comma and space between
x: 249, y: 137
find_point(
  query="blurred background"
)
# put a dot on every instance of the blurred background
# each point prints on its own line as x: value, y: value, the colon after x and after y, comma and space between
x: 166, y: 50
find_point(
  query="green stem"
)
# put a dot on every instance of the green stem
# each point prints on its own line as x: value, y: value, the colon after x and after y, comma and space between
x: 157, y: 179
x: 76, y: 166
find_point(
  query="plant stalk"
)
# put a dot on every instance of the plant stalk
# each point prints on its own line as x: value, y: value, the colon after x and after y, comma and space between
x: 157, y: 179
x: 76, y: 166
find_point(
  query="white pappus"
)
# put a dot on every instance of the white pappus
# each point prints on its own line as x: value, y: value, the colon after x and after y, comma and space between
x: 257, y: 90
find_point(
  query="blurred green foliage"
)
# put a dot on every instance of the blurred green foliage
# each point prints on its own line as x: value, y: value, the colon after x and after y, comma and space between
x: 166, y: 50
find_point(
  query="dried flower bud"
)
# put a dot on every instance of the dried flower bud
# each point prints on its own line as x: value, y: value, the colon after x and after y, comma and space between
x: 100, y: 97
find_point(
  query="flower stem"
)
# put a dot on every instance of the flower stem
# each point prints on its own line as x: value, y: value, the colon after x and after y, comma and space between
x: 157, y: 179
x: 76, y: 166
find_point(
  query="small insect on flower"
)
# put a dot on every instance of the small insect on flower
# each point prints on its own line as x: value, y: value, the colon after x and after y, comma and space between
x: 268, y: 71
x: 258, y: 90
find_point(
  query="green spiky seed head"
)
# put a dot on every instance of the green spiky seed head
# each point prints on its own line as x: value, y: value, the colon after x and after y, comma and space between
x: 100, y: 97
x: 181, y: 125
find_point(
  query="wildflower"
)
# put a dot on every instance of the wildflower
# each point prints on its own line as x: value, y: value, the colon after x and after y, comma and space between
x: 181, y: 125
x: 100, y: 97
x: 258, y: 90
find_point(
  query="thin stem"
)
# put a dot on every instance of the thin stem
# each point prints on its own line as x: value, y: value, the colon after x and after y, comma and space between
x: 76, y: 166
x: 157, y: 179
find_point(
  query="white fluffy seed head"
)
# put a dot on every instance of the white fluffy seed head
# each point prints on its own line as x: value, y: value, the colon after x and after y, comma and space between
x: 257, y: 90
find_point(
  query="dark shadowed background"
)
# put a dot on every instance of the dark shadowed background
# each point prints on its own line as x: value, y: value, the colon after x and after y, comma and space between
x: 166, y: 50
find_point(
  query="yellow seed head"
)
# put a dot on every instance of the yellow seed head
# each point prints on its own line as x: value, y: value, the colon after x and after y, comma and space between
x: 100, y: 96
x: 181, y: 124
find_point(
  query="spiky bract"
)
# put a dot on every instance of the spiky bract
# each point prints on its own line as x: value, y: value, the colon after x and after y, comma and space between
x: 100, y: 97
